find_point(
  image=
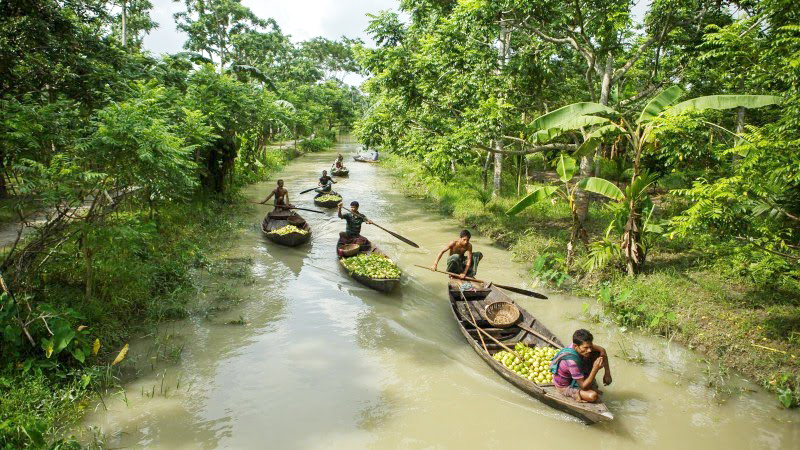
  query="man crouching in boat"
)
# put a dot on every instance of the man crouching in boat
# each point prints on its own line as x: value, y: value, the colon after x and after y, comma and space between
x: 462, y: 260
x: 575, y: 368
x: 352, y: 233
x: 281, y: 195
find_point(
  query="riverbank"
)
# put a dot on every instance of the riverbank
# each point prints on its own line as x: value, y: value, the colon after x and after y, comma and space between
x: 685, y: 295
x: 145, y: 272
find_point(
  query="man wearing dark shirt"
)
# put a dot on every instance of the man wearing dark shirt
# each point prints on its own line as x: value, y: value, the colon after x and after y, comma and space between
x: 352, y: 233
x: 325, y: 182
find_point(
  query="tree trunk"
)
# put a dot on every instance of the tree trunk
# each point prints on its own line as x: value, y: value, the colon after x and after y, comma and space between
x: 581, y: 196
x: 498, y: 169
x: 485, y: 172
x: 124, y: 24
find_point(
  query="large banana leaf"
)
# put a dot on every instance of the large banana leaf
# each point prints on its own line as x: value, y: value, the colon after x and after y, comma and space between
x: 555, y: 119
x: 538, y: 194
x: 576, y: 123
x: 723, y: 102
x: 659, y: 103
x: 602, y: 187
x: 587, y: 148
x: 566, y: 168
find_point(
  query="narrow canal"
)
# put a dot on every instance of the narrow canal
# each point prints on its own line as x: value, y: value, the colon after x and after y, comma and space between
x: 310, y: 359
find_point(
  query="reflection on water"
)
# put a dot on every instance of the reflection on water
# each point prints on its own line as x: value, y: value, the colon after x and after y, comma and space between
x: 323, y: 362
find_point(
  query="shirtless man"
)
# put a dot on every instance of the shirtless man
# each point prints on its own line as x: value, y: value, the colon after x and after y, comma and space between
x: 281, y: 198
x: 462, y: 260
x: 339, y: 162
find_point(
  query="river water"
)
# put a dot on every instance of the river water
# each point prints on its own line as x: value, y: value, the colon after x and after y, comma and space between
x: 323, y: 362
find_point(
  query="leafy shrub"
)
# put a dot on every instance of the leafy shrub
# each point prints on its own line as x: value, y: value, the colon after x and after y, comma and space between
x: 315, y: 145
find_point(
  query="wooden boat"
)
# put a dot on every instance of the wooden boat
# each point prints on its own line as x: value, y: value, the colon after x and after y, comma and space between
x: 476, y: 298
x: 343, y: 172
x: 364, y: 158
x: 274, y: 221
x: 379, y: 284
x: 329, y: 203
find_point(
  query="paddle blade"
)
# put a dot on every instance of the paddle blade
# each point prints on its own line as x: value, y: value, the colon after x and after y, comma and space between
x: 407, y: 241
x: 521, y: 291
x: 307, y: 190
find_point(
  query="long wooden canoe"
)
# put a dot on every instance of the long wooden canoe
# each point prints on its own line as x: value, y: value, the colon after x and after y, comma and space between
x: 477, y: 298
x: 379, y: 284
x: 274, y: 221
x: 329, y: 203
x: 364, y: 158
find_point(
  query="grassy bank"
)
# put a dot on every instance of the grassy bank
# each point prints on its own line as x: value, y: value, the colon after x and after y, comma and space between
x: 146, y: 269
x: 688, y: 293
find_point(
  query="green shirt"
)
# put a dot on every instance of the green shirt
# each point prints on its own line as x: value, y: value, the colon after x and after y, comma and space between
x: 353, y: 223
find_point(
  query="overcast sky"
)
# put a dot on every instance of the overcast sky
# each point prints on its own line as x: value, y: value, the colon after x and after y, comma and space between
x: 301, y: 19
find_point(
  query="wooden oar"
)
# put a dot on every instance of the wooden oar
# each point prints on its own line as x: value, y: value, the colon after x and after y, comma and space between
x: 481, y: 330
x: 508, y: 288
x: 308, y: 190
x: 406, y: 240
x: 295, y: 207
x: 469, y: 310
x: 539, y: 335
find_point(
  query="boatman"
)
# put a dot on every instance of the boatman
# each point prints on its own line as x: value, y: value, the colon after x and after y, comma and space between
x: 575, y: 368
x: 325, y: 182
x: 352, y: 232
x: 281, y: 198
x: 462, y: 261
x: 339, y: 163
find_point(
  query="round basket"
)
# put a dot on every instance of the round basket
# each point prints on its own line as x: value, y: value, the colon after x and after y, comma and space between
x: 502, y: 314
x: 296, y: 221
x: 350, y: 249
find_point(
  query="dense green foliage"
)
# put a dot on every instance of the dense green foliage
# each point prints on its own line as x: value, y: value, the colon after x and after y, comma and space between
x: 686, y: 124
x: 130, y: 164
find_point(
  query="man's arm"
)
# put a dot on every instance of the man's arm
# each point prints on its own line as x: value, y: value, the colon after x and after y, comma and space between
x: 468, y: 255
x: 268, y: 197
x: 339, y: 210
x: 286, y: 194
x: 606, y: 366
x: 586, y: 383
x: 439, y: 256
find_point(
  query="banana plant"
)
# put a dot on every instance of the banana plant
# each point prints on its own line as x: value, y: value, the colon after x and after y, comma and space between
x: 640, y: 135
x: 566, y: 169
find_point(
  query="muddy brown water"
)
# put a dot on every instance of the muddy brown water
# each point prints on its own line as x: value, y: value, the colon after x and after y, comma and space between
x: 323, y: 362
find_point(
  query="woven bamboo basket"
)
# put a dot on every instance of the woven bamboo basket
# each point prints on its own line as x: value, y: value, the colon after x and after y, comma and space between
x: 502, y: 314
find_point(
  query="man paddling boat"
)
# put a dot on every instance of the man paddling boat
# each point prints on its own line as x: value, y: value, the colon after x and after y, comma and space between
x: 339, y: 163
x: 281, y: 198
x: 575, y: 368
x: 325, y: 183
x: 462, y: 260
x: 352, y: 233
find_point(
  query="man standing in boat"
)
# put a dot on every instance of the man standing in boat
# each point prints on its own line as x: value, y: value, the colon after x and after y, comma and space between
x: 281, y: 198
x: 462, y: 260
x: 352, y: 232
x: 325, y: 183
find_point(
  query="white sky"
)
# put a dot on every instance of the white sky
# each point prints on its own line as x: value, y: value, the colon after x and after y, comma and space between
x: 301, y: 19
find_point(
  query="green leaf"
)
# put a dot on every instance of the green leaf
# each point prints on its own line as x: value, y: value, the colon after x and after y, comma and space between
x: 602, y: 187
x: 587, y: 148
x: 720, y: 102
x: 658, y: 103
x: 566, y: 168
x: 563, y: 116
x: 536, y: 195
x: 85, y: 380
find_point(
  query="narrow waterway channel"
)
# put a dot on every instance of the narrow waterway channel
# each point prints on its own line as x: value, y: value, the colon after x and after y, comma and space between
x: 323, y: 362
